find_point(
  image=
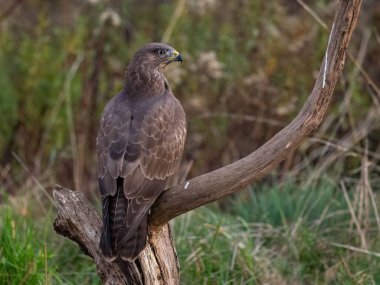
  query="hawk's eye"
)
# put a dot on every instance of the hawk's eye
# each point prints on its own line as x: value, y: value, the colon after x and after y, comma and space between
x: 160, y: 52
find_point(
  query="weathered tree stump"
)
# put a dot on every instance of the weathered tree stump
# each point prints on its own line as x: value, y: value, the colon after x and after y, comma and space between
x: 79, y: 221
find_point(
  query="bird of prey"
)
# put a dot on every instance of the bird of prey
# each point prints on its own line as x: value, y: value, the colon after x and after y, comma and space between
x: 140, y: 142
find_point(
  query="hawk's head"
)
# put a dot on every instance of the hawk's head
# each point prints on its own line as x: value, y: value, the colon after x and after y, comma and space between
x: 156, y: 56
x: 145, y: 71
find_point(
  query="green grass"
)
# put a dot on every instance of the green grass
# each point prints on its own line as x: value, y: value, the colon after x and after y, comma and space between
x: 23, y: 259
x: 276, y: 236
x: 270, y: 235
x: 22, y: 255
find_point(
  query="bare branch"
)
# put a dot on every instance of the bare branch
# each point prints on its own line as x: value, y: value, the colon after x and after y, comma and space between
x: 80, y: 222
x: 234, y: 177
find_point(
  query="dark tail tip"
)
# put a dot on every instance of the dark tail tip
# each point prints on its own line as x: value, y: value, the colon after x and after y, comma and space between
x: 106, y: 248
x: 131, y: 249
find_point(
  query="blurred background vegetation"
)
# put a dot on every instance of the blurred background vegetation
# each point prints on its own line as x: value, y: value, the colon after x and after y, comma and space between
x: 249, y: 66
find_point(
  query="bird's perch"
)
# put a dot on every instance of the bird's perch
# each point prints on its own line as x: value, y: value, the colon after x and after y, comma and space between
x: 80, y: 222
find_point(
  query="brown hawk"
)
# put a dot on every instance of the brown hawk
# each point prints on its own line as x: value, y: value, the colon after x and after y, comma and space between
x: 140, y: 142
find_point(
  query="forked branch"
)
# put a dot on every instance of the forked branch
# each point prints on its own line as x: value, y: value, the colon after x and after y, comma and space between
x: 234, y: 177
x: 79, y: 221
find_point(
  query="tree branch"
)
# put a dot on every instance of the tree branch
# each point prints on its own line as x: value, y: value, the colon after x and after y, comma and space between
x: 80, y: 222
x: 234, y: 177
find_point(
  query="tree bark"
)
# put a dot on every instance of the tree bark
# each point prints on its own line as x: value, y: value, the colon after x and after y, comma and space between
x: 79, y: 221
x: 158, y: 264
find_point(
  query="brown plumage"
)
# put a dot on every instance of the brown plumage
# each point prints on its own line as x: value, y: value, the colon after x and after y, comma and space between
x: 140, y: 142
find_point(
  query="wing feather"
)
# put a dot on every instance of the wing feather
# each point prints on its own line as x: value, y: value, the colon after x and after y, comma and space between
x: 141, y: 144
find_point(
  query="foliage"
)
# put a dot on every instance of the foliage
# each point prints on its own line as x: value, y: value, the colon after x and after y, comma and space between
x: 286, y: 234
x: 57, y: 70
x: 31, y: 253
x: 276, y: 237
x: 22, y: 257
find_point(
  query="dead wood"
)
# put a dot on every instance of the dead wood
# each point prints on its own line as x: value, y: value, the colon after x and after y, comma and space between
x: 80, y: 222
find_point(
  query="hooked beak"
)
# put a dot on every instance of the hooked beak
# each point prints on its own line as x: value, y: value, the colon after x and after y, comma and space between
x: 175, y: 56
